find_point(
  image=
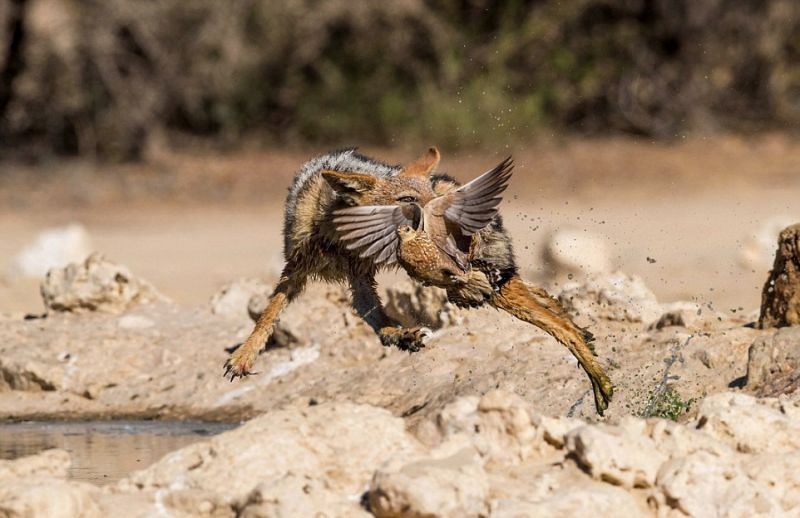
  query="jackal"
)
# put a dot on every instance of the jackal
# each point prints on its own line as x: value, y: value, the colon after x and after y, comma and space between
x: 313, y: 249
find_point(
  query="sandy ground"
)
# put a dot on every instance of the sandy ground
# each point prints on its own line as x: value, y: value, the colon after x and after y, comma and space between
x: 190, y: 222
x: 696, y: 239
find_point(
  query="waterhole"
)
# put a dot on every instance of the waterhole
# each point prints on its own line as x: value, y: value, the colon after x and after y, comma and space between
x: 104, y: 451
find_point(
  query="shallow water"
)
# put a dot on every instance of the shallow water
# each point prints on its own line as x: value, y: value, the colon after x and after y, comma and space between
x: 104, y: 451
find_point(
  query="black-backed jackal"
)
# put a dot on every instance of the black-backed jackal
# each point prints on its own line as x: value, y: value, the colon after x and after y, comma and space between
x: 312, y: 249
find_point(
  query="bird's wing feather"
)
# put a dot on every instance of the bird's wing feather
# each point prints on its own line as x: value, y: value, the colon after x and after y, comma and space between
x: 372, y: 230
x: 473, y: 205
x: 451, y: 249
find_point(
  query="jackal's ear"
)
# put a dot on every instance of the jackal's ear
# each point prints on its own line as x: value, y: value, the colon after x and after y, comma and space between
x: 424, y: 165
x: 349, y: 183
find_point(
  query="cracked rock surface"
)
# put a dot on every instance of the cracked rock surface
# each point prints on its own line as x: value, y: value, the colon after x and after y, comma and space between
x: 492, y: 456
x: 493, y: 418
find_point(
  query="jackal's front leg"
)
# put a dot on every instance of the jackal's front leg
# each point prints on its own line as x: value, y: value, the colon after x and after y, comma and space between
x: 368, y: 305
x: 534, y: 306
x: 242, y: 359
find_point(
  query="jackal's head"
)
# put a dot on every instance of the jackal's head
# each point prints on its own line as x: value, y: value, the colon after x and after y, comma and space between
x: 411, y: 186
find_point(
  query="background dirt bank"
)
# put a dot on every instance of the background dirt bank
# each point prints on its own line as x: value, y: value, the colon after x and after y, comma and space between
x: 190, y: 223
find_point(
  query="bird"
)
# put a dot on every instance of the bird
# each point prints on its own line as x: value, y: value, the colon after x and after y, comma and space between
x: 433, y: 243
x: 422, y: 259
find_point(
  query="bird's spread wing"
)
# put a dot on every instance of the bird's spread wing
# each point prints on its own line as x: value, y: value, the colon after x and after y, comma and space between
x: 373, y: 229
x: 473, y: 205
x: 451, y: 249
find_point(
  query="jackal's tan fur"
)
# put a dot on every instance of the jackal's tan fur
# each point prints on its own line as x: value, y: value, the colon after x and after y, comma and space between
x: 312, y: 249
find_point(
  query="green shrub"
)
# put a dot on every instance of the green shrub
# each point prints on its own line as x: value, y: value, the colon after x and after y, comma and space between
x: 666, y: 404
x: 99, y: 77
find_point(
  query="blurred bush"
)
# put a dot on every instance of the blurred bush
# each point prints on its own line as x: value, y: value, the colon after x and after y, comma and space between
x: 102, y: 77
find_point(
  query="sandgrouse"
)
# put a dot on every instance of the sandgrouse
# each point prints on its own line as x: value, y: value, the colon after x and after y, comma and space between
x: 432, y: 243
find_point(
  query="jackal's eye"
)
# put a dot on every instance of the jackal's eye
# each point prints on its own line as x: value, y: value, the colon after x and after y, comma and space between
x: 407, y: 199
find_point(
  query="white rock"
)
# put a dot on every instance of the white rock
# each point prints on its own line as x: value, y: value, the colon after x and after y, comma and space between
x: 498, y: 425
x: 758, y: 249
x: 451, y: 486
x: 36, y: 486
x: 682, y: 314
x: 48, y: 498
x: 574, y: 251
x: 748, y: 424
x: 232, y: 299
x: 595, y: 500
x: 135, y: 322
x: 615, y: 296
x: 772, y: 356
x: 95, y: 285
x: 703, y: 484
x: 413, y: 304
x: 778, y: 474
x: 338, y: 444
x: 49, y: 463
x: 53, y: 248
x: 297, y: 495
x: 555, y: 430
x: 617, y: 455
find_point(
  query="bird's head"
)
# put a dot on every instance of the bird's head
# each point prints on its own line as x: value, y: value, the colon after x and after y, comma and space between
x: 406, y: 233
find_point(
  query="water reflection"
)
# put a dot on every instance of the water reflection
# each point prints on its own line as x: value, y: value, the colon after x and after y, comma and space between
x: 104, y: 451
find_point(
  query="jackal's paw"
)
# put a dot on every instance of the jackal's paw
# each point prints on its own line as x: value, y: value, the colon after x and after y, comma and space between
x: 240, y: 362
x: 410, y: 339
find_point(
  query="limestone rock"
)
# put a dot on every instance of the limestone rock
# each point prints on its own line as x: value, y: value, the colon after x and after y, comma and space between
x: 449, y: 485
x: 703, y: 484
x: 266, y: 460
x: 778, y: 474
x: 616, y: 296
x: 616, y: 454
x: 412, y: 304
x: 780, y: 298
x: 35, y: 487
x: 573, y: 251
x: 49, y: 463
x: 53, y: 248
x: 498, y: 425
x: 297, y: 495
x: 292, y: 328
x: 758, y: 248
x: 232, y: 300
x: 95, y: 285
x: 555, y: 430
x: 751, y: 425
x: 690, y: 315
x: 48, y: 498
x: 587, y: 499
x: 771, y: 357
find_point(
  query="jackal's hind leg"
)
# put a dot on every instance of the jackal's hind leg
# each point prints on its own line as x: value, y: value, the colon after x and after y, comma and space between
x: 535, y: 306
x: 368, y: 305
x: 242, y: 359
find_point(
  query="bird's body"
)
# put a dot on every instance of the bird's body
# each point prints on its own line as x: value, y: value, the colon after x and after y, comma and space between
x: 425, y: 261
x: 433, y: 242
x: 444, y: 267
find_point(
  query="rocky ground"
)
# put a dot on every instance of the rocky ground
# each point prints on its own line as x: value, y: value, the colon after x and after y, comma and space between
x: 493, y: 455
x: 492, y: 418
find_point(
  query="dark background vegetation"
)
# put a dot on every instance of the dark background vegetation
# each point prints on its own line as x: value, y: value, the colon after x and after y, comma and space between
x: 103, y: 78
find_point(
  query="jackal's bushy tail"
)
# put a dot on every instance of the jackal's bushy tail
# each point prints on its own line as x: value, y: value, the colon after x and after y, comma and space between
x: 535, y: 306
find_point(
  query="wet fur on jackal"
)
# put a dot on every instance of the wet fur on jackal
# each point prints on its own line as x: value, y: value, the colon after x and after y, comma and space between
x: 312, y: 249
